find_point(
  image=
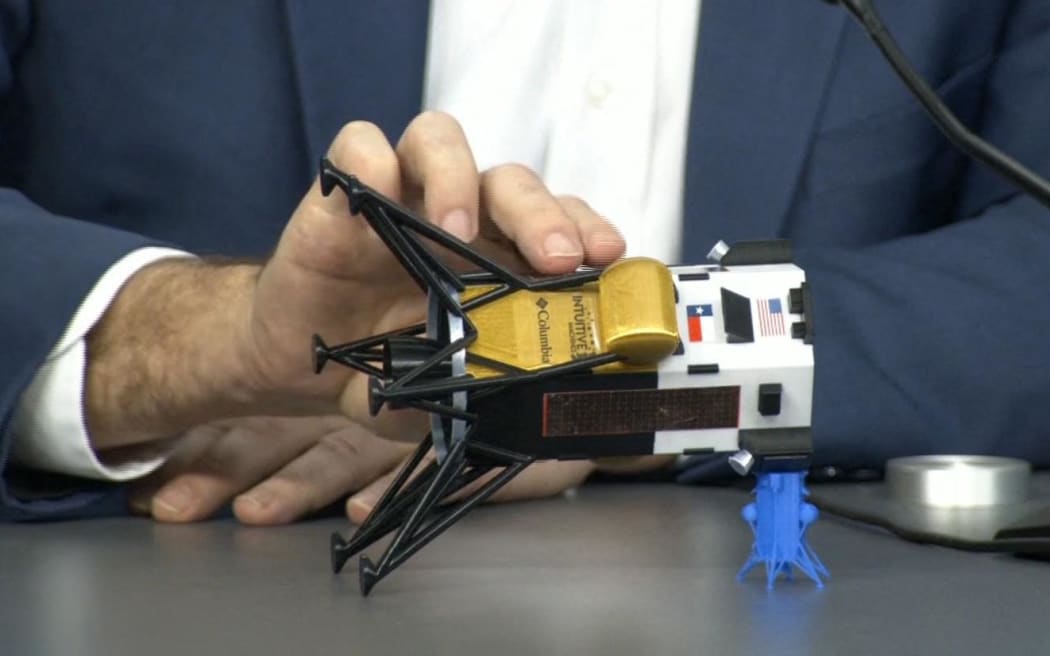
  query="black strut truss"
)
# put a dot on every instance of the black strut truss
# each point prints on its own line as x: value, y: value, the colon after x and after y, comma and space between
x: 417, y: 504
x: 409, y: 368
x: 422, y: 386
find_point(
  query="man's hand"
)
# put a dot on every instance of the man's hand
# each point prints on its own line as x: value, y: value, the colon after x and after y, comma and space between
x: 332, y: 275
x: 189, y: 343
x: 276, y: 470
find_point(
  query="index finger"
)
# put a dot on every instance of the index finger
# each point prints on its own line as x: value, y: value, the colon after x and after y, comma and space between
x: 437, y: 164
x: 524, y: 210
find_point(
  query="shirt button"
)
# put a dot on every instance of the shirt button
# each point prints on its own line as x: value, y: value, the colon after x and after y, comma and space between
x: 598, y: 90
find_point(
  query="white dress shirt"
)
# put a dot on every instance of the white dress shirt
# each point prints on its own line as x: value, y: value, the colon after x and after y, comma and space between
x: 48, y: 427
x: 593, y: 95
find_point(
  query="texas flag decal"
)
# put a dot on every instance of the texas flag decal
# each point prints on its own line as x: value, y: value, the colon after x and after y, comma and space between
x: 694, y: 313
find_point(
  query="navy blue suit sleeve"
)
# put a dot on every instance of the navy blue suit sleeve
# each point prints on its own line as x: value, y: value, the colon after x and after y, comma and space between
x: 940, y: 342
x: 48, y: 264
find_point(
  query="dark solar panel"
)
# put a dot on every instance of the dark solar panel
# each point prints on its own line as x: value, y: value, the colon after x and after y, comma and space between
x: 621, y: 412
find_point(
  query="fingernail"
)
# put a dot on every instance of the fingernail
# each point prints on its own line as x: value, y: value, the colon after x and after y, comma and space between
x: 363, y: 501
x: 175, y: 500
x: 609, y: 236
x: 262, y: 506
x: 606, y: 244
x: 459, y: 224
x: 261, y: 499
x: 558, y: 245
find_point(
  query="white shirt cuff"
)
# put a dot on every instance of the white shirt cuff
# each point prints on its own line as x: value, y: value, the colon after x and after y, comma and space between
x: 48, y: 429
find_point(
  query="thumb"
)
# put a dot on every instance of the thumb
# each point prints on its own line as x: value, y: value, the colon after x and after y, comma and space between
x: 322, y: 236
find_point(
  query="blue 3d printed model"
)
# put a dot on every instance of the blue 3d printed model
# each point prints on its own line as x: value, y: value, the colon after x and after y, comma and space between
x: 779, y: 517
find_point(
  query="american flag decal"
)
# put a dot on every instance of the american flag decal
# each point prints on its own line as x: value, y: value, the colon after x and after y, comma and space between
x: 771, y: 318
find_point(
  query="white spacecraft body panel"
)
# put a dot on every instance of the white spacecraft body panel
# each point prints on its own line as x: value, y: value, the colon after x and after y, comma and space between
x: 710, y: 359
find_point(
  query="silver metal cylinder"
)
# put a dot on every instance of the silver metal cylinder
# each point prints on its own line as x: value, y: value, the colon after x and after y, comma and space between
x: 957, y: 481
x: 718, y: 251
x: 742, y: 461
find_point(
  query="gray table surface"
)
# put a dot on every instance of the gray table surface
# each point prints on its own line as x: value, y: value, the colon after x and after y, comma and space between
x: 615, y: 569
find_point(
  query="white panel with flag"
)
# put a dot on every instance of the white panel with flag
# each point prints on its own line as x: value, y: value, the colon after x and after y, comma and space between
x: 773, y: 358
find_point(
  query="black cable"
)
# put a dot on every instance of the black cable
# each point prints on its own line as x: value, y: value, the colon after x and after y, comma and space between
x: 1028, y: 546
x: 949, y: 124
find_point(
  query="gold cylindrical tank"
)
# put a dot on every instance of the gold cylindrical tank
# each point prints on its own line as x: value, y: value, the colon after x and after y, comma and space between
x: 637, y: 309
